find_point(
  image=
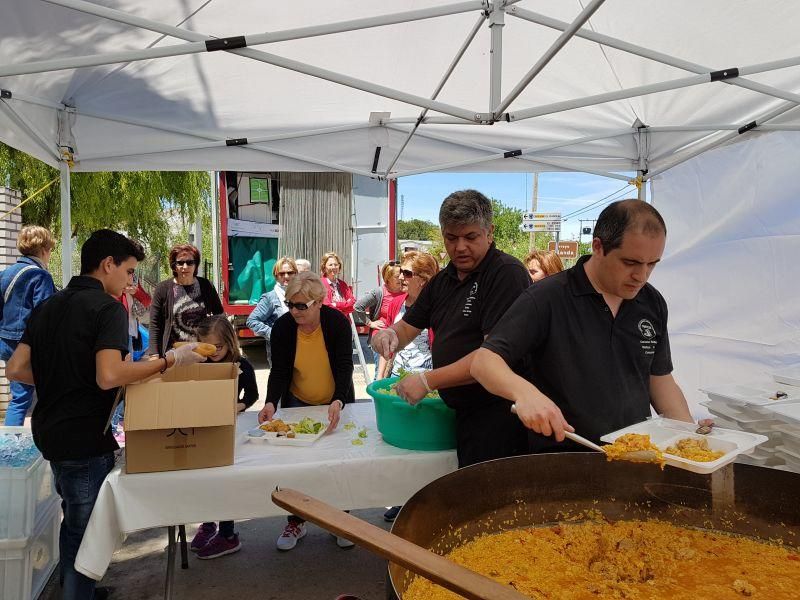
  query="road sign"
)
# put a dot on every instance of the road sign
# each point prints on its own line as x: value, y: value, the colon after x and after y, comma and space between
x: 540, y: 226
x: 535, y: 216
x: 565, y: 249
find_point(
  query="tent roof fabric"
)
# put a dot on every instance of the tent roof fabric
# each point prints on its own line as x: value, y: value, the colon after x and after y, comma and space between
x: 176, y: 112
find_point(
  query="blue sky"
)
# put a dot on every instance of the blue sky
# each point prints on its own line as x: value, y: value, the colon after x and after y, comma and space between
x: 565, y: 192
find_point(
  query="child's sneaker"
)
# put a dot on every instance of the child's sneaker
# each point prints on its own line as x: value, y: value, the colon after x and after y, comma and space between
x: 204, y: 534
x: 291, y: 533
x: 220, y: 546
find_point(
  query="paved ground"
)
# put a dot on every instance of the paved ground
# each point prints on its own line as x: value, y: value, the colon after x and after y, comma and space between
x: 316, y: 569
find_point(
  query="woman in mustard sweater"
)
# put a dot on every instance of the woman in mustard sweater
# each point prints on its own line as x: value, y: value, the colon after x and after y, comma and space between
x: 312, y: 365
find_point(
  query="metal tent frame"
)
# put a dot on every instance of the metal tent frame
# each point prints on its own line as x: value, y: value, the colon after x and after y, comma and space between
x: 423, y: 125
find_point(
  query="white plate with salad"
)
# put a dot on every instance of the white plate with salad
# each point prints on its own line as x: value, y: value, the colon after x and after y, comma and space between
x: 292, y: 427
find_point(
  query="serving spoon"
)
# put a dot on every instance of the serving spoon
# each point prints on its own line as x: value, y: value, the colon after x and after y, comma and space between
x: 633, y: 456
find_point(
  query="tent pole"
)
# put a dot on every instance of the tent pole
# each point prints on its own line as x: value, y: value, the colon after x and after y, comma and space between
x: 784, y: 108
x: 442, y: 81
x: 496, y: 23
x: 213, y: 137
x: 654, y: 88
x: 565, y: 36
x: 660, y: 57
x: 279, y: 36
x: 498, y: 153
x: 66, y: 224
x: 31, y: 130
x: 525, y: 151
x: 218, y: 143
x: 197, y: 43
x: 214, y: 228
x: 642, y: 90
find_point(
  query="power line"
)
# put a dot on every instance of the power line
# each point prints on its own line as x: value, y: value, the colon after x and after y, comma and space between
x: 595, y: 203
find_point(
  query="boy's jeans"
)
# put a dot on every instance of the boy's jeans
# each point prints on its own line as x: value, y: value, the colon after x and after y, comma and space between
x: 77, y: 482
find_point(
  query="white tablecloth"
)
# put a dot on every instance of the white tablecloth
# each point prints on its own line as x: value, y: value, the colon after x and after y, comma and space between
x: 333, y: 469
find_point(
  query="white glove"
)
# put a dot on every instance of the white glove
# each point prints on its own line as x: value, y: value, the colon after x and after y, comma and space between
x: 185, y: 355
x: 385, y: 342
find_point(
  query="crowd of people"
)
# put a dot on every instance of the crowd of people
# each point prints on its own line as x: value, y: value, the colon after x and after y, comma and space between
x: 584, y: 349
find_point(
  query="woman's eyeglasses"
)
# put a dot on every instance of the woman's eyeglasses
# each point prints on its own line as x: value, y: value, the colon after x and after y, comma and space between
x: 287, y: 273
x: 298, y: 305
x: 406, y: 273
x: 185, y: 263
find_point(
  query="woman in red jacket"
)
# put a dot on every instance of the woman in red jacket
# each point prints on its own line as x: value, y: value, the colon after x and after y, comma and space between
x: 338, y: 294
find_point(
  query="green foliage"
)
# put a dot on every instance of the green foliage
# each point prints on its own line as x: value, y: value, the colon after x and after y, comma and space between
x: 507, y: 234
x: 147, y: 205
x: 416, y: 229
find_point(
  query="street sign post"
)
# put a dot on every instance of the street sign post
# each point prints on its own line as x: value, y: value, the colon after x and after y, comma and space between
x: 568, y: 250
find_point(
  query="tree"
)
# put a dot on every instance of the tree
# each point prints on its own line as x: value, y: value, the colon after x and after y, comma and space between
x: 140, y: 203
x: 416, y: 229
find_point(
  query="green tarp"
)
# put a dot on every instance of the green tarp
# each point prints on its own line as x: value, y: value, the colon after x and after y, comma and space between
x: 253, y: 260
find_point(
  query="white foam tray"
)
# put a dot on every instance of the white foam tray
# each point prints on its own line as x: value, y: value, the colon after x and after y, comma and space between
x: 292, y: 415
x: 789, y: 413
x: 761, y: 393
x: 787, y: 375
x: 665, y: 432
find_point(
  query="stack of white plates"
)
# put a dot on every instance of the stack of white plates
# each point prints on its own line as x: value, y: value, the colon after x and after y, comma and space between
x: 769, y: 407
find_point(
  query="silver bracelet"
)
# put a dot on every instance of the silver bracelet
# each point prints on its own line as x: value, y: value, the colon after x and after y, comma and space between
x: 425, y: 382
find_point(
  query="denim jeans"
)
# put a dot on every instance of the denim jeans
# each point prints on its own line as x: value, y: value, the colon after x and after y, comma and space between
x: 21, y: 393
x: 77, y: 482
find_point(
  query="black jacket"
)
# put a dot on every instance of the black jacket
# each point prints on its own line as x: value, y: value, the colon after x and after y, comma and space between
x: 338, y: 343
x: 161, y: 314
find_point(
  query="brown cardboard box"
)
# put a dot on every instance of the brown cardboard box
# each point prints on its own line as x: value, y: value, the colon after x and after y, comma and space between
x: 183, y: 419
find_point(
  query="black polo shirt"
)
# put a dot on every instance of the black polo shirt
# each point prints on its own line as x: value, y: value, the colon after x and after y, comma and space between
x: 462, y: 312
x: 595, y: 367
x: 65, y: 333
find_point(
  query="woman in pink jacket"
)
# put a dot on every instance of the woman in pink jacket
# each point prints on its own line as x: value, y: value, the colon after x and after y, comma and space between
x: 338, y: 294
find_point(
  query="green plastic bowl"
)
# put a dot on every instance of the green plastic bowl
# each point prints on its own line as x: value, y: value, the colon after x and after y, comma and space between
x: 429, y: 425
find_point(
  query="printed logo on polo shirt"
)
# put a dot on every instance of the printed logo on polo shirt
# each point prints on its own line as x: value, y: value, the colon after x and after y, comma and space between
x: 473, y: 292
x: 648, y: 333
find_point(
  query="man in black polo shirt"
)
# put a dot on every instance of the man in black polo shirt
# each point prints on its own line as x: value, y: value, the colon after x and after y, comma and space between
x: 73, y: 350
x: 593, y: 338
x: 460, y: 305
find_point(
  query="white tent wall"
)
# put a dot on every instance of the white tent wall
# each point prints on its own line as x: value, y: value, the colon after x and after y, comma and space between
x: 730, y: 272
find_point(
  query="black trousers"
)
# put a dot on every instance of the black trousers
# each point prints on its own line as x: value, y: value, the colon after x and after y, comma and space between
x: 487, y: 432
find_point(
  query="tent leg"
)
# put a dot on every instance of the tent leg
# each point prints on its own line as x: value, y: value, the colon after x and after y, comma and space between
x: 214, y: 229
x: 66, y: 224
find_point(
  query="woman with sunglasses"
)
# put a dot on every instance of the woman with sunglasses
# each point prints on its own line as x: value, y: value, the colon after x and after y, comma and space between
x: 180, y: 303
x: 312, y: 365
x: 272, y: 305
x: 372, y: 308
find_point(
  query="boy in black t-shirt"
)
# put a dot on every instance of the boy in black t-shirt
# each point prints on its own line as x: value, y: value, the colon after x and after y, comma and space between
x: 73, y: 350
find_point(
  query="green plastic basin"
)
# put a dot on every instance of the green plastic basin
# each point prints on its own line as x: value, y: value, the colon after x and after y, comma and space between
x: 429, y: 425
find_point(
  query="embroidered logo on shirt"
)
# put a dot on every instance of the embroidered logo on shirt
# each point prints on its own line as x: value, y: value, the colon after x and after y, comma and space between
x: 467, y: 310
x: 648, y: 341
x: 646, y: 329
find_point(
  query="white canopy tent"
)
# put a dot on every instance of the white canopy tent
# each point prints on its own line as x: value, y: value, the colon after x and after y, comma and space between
x: 398, y: 87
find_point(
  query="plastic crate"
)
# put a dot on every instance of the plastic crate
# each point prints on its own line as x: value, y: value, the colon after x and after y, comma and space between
x: 26, y: 565
x: 24, y: 491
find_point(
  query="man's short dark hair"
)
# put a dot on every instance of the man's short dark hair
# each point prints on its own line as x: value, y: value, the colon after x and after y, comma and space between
x: 104, y: 243
x: 466, y: 207
x: 626, y: 215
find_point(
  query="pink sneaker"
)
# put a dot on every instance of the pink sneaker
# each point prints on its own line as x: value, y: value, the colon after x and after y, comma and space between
x: 220, y: 546
x: 204, y: 534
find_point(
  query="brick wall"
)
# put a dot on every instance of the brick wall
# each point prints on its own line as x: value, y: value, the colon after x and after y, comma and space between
x: 9, y: 228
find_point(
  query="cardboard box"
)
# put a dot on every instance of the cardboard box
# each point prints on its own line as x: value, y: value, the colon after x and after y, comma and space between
x: 183, y: 419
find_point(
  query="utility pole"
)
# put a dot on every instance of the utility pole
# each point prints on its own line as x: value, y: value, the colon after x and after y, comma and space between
x: 534, y: 204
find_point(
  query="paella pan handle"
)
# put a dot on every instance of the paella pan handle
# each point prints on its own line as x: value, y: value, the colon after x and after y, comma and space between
x: 394, y: 548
